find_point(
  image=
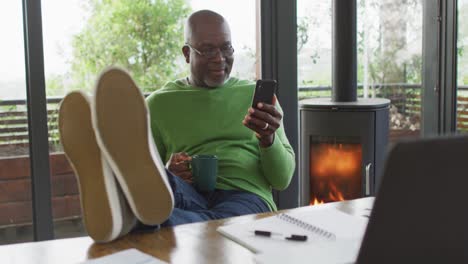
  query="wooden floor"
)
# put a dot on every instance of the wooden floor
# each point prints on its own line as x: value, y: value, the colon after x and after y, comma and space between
x: 190, y: 243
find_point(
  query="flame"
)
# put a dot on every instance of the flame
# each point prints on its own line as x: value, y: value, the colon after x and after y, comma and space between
x: 315, y: 201
x: 335, y: 172
x: 336, y: 159
x: 335, y: 194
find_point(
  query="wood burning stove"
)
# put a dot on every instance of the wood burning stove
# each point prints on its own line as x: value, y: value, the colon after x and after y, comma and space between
x: 342, y: 139
x: 342, y: 147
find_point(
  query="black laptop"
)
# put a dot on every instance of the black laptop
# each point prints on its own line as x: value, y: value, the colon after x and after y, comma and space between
x: 420, y: 214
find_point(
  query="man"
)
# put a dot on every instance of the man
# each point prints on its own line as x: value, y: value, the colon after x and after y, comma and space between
x: 120, y: 172
x: 209, y: 113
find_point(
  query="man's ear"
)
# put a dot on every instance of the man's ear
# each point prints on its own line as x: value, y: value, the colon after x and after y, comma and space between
x: 186, y: 52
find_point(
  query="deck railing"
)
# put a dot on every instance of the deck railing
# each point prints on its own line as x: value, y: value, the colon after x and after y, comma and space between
x: 406, y: 99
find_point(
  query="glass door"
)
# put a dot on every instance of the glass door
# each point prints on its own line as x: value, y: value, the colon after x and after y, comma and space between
x: 78, y: 45
x: 389, y: 50
x: 462, y: 67
x: 15, y: 176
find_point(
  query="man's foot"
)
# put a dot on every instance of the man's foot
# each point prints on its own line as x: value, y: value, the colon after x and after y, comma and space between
x: 106, y: 215
x: 121, y: 121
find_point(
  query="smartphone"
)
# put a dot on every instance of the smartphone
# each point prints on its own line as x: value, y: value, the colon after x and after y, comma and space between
x: 264, y: 92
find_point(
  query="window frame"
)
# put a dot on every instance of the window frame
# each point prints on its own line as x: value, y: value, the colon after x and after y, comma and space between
x: 37, y: 121
x: 448, y: 61
x: 279, y: 51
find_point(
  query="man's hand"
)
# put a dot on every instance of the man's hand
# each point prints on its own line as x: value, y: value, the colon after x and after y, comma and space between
x: 264, y: 121
x: 179, y: 165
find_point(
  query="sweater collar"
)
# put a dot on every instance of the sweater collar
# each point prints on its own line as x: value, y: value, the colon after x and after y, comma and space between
x: 184, y: 83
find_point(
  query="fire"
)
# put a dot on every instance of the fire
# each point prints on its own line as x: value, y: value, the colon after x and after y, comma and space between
x: 335, y: 172
x: 315, y: 201
x: 333, y: 196
x: 336, y: 159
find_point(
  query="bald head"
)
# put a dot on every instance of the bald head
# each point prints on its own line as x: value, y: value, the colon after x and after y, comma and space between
x: 208, y: 32
x: 198, y: 21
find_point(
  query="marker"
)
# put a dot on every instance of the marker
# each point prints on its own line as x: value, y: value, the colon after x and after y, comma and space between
x: 269, y: 234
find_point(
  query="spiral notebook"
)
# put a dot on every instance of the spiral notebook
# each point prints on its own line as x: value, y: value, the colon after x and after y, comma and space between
x: 319, y: 225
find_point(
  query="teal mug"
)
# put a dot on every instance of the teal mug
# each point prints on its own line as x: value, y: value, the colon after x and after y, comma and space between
x: 204, y: 171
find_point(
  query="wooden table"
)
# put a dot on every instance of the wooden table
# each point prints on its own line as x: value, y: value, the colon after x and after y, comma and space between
x: 190, y: 243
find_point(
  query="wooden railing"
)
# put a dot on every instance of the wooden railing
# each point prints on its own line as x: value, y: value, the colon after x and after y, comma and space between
x: 462, y: 113
x: 14, y: 121
x: 406, y: 97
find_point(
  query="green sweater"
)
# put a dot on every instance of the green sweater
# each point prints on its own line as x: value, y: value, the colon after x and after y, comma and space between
x: 197, y: 120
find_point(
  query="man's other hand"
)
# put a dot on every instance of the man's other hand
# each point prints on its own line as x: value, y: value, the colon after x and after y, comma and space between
x: 179, y: 165
x: 264, y: 121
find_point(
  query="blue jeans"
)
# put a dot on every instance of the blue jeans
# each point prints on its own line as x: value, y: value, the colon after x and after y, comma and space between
x: 192, y: 206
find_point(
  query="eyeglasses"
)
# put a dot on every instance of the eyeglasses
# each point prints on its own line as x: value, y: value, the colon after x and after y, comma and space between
x: 211, y: 53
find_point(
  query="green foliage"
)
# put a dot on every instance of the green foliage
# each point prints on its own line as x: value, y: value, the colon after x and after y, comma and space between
x: 465, y: 80
x: 302, y: 35
x: 390, y: 55
x: 315, y: 57
x: 325, y: 81
x: 142, y: 36
x: 8, y: 108
x: 462, y: 39
x: 55, y: 85
x: 303, y: 25
x: 52, y: 124
x: 413, y: 69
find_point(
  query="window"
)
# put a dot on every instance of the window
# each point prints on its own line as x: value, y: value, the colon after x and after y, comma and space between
x: 389, y: 50
x: 15, y: 179
x: 390, y: 59
x: 462, y: 74
x: 144, y: 37
x: 314, y: 48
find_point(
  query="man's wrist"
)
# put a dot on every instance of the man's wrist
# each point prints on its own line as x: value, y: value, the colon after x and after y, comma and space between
x: 266, y: 142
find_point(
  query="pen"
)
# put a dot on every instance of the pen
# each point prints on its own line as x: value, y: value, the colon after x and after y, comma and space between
x: 265, y: 233
x: 293, y: 237
x: 297, y: 237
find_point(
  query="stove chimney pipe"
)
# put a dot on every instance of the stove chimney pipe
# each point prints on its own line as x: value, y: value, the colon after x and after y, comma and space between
x: 344, y: 69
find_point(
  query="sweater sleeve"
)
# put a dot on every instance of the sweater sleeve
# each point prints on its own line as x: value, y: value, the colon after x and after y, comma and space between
x: 158, y: 141
x: 156, y: 133
x: 278, y: 160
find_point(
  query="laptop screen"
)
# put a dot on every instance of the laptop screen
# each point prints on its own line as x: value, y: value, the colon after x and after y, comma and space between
x: 420, y: 214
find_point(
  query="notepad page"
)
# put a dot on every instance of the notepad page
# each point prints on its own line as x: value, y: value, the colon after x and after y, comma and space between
x: 129, y: 256
x: 342, y: 225
x: 340, y: 252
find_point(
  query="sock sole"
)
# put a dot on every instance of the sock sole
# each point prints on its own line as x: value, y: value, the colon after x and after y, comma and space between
x: 101, y: 214
x: 121, y: 121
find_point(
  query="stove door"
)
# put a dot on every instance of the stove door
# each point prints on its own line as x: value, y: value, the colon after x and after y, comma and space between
x: 337, y: 152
